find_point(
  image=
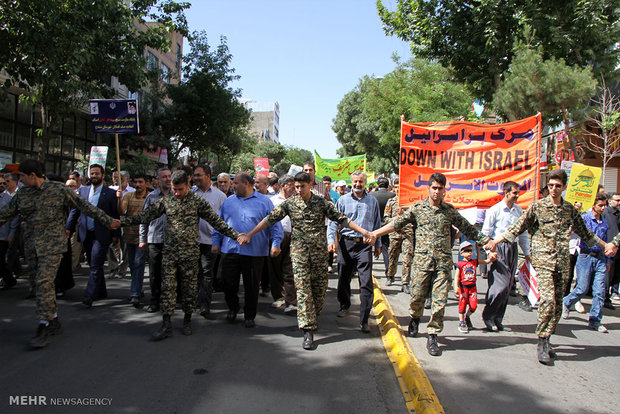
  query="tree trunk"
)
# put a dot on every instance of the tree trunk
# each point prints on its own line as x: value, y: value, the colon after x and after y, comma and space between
x: 42, y: 150
x: 571, y: 141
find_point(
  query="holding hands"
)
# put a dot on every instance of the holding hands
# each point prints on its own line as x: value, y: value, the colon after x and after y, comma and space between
x: 492, y: 256
x: 610, y: 249
x: 492, y: 244
x: 243, y: 239
x: 369, y: 237
x: 116, y: 224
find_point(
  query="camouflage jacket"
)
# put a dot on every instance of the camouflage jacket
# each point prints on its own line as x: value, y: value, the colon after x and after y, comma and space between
x: 307, y: 220
x: 551, y: 227
x: 45, y: 211
x: 183, y: 217
x: 431, y: 226
x: 392, y: 211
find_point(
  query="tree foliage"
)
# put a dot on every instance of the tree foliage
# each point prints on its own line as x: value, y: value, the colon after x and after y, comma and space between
x: 476, y: 38
x: 62, y: 52
x: 534, y: 84
x: 280, y: 157
x: 368, y: 118
x: 204, y: 114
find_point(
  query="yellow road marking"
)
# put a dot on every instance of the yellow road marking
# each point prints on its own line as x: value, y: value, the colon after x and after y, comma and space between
x: 417, y: 389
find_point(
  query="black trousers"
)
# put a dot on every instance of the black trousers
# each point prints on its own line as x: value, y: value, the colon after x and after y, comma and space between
x: 500, y: 278
x: 205, y: 275
x: 281, y: 272
x: 250, y: 268
x: 4, y: 270
x: 354, y: 255
x: 155, y: 271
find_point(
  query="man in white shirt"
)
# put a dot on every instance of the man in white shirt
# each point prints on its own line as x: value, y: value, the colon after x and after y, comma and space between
x: 215, y: 197
x: 117, y: 255
x: 501, y: 275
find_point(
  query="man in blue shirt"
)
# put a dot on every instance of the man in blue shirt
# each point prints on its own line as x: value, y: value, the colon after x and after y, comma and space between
x: 353, y: 253
x: 243, y: 211
x: 592, y: 264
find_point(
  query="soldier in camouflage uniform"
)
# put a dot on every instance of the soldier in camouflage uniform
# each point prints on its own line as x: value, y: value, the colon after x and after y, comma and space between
x: 431, y: 220
x: 399, y: 241
x: 43, y: 205
x: 183, y: 210
x: 307, y: 212
x: 551, y: 222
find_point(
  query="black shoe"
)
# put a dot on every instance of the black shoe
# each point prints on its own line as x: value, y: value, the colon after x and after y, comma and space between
x: 204, y: 311
x: 543, y: 351
x: 135, y: 301
x: 153, y: 308
x: 88, y: 302
x: 165, y: 331
x: 364, y: 327
x: 406, y: 289
x: 231, y: 316
x: 524, y: 304
x: 609, y: 305
x: 500, y: 326
x: 308, y: 339
x: 432, y: 346
x: 55, y: 328
x: 41, y: 337
x: 187, y: 328
x: 413, y: 327
x: 249, y: 323
x: 468, y: 322
x: 489, y: 325
x: 427, y: 303
x: 342, y: 312
x: 389, y: 281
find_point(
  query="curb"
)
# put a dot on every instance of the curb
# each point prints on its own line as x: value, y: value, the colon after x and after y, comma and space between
x: 415, y: 386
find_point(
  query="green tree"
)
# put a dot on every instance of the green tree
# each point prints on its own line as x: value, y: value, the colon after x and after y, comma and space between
x: 476, y: 38
x: 62, y: 52
x: 368, y: 118
x: 204, y: 114
x: 533, y: 84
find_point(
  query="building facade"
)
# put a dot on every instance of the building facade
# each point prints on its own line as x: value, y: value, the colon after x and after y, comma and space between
x: 265, y: 120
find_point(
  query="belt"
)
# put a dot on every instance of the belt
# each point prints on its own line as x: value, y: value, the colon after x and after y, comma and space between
x: 594, y: 254
x: 355, y: 239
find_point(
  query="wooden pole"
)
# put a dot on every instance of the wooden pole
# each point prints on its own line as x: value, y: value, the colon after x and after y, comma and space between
x: 118, y: 162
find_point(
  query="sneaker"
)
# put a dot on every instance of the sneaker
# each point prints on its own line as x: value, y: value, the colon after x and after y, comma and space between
x: 135, y: 302
x: 278, y: 303
x: 524, y: 305
x: 565, y: 311
x: 342, y: 312
x: 468, y: 323
x: 406, y: 289
x: 615, y: 297
x: 599, y: 328
x: 463, y: 327
x: 389, y: 281
x: 290, y: 309
x: 330, y: 269
x: 427, y: 304
x: 579, y: 307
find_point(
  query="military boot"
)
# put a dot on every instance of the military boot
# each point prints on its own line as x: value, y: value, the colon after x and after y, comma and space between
x: 432, y: 346
x: 187, y: 324
x: 55, y: 327
x: 41, y: 337
x: 164, y: 331
x: 552, y: 353
x: 413, y: 327
x: 308, y: 339
x: 543, y: 351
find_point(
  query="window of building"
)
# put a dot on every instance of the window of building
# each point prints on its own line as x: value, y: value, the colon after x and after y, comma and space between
x: 78, y: 152
x: 54, y: 144
x: 165, y: 73
x: 24, y: 112
x: 23, y: 137
x: 6, y: 134
x: 152, y: 61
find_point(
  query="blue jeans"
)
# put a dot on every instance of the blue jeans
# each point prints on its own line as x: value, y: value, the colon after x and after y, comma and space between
x: 137, y: 259
x: 587, y: 269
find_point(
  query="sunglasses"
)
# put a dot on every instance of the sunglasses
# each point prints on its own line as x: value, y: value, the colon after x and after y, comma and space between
x: 467, y: 251
x: 554, y: 185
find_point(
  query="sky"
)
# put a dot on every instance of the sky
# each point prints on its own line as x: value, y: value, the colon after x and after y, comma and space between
x: 304, y: 54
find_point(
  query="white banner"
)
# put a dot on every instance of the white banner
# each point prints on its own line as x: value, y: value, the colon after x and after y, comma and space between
x: 98, y: 155
x: 527, y: 278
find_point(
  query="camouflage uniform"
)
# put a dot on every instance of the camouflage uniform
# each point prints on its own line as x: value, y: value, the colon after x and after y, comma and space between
x: 44, y: 210
x: 551, y: 227
x: 399, y: 240
x: 432, y: 259
x: 308, y: 251
x: 181, y: 244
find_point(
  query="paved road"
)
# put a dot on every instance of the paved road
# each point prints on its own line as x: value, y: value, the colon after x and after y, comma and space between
x: 105, y: 352
x: 484, y: 372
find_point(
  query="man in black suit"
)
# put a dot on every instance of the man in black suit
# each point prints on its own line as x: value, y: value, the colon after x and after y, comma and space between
x: 383, y: 195
x: 95, y: 237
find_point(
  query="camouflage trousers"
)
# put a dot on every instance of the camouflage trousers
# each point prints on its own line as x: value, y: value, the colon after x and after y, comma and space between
x: 398, y: 244
x: 46, y: 270
x: 551, y: 285
x: 436, y: 282
x: 181, y: 265
x: 310, y: 272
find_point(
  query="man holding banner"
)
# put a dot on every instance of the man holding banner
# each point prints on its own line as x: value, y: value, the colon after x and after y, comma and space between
x: 432, y: 220
x: 551, y: 220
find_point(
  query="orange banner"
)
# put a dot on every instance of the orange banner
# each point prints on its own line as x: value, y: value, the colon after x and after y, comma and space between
x: 476, y: 159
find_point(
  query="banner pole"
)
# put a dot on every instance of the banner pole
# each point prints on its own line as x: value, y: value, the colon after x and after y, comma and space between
x: 118, y: 161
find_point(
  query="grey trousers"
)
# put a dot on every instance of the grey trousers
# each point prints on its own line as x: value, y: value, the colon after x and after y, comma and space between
x: 500, y: 278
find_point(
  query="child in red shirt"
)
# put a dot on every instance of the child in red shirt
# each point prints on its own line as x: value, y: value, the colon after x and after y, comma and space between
x: 465, y: 283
